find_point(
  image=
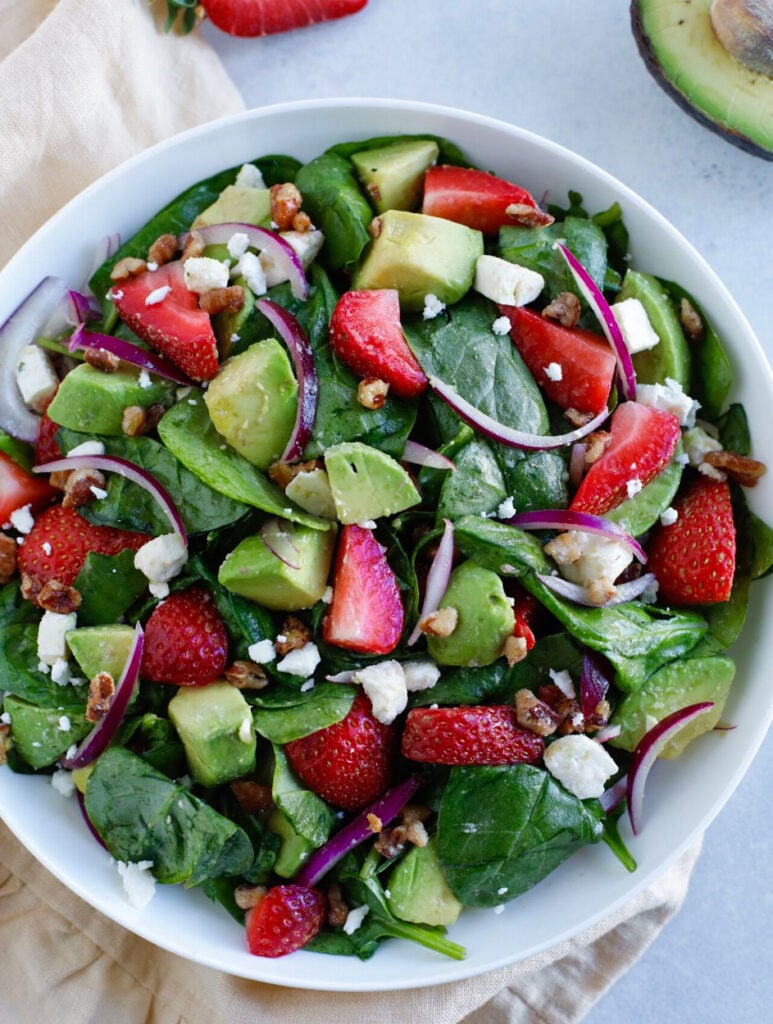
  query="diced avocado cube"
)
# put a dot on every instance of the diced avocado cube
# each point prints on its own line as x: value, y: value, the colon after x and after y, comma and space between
x: 284, y: 567
x: 214, y: 723
x: 238, y: 205
x: 41, y: 735
x: 93, y: 402
x: 671, y: 356
x: 418, y: 890
x: 100, y: 648
x: 236, y: 331
x: 393, y: 175
x: 367, y: 483
x: 485, y: 618
x: 420, y: 255
x: 295, y: 848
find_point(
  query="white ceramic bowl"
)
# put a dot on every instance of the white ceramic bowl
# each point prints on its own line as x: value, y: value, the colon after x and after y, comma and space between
x: 682, y: 797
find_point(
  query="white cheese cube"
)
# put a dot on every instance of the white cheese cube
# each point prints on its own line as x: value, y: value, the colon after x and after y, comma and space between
x: 249, y: 176
x: 262, y: 652
x: 300, y: 662
x: 420, y: 675
x: 203, y: 274
x: 162, y: 558
x: 638, y: 333
x: 506, y: 283
x: 306, y: 245
x: 139, y: 885
x: 384, y: 683
x: 35, y: 377
x: 669, y: 397
x: 580, y: 764
x: 593, y: 557
x: 251, y: 269
x: 52, y: 645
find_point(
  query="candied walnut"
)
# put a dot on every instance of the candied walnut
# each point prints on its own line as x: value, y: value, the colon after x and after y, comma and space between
x: 5, y: 742
x: 534, y: 714
x: 372, y: 392
x: 253, y: 797
x: 515, y: 649
x: 163, y: 250
x: 282, y: 472
x: 58, y: 479
x: 129, y: 266
x: 577, y: 418
x: 302, y: 223
x: 596, y: 444
x: 440, y: 623
x: 564, y: 549
x: 222, y: 300
x: 194, y: 246
x: 375, y: 824
x: 7, y: 558
x: 247, y: 896
x: 56, y: 597
x: 691, y: 320
x: 293, y: 635
x: 391, y: 841
x: 101, y: 359
x: 31, y: 587
x: 525, y: 215
x: 136, y: 420
x: 82, y: 486
x: 374, y: 228
x: 600, y: 591
x: 246, y: 675
x: 741, y: 469
x: 599, y: 717
x: 101, y: 690
x: 337, y: 907
x: 565, y: 308
x: 571, y: 718
x: 286, y: 201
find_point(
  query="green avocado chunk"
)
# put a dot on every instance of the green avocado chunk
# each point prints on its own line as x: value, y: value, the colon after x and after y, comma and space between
x: 238, y: 205
x: 214, y: 723
x: 485, y: 618
x: 420, y: 255
x: 418, y: 889
x: 41, y: 735
x: 671, y: 356
x: 93, y: 402
x: 393, y: 174
x: 101, y: 648
x: 366, y: 483
x: 295, y: 848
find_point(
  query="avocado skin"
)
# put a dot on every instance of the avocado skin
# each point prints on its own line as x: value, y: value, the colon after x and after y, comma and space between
x: 649, y: 48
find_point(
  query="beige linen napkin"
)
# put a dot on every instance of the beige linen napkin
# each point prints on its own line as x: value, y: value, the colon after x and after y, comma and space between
x: 83, y: 85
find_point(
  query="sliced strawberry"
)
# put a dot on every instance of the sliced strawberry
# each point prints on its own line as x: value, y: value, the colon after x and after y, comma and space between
x: 483, y: 735
x: 582, y: 362
x: 285, y: 919
x: 365, y: 332
x: 643, y: 443
x: 19, y: 488
x: 366, y: 613
x: 349, y: 763
x: 60, y: 540
x: 174, y: 325
x: 694, y: 558
x: 186, y: 642
x: 46, y: 446
x: 479, y: 199
x: 526, y: 610
x: 265, y: 17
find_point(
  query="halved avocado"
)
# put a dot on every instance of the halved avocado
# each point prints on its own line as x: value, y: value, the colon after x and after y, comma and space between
x: 683, y: 52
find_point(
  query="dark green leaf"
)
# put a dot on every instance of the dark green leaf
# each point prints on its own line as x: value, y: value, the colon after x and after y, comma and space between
x: 317, y: 708
x: 333, y: 199
x: 109, y: 585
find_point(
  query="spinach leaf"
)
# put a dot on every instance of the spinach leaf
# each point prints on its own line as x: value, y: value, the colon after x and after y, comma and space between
x: 734, y: 430
x: 762, y: 534
x: 316, y: 708
x: 506, y: 828
x: 109, y: 585
x: 19, y: 672
x: 142, y: 815
x: 335, y: 202
x: 476, y: 487
x: 308, y: 813
x: 637, y: 514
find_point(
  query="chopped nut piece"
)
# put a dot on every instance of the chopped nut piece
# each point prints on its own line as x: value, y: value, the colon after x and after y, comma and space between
x: 59, y: 478
x: 600, y: 591
x: 302, y: 223
x: 565, y: 308
x: 31, y: 587
x: 282, y: 472
x: 739, y: 468
x: 194, y: 246
x: 163, y: 250
x: 375, y: 823
x: 7, y: 558
x: 525, y: 215
x: 5, y: 742
x: 253, y: 797
x: 101, y: 359
x: 222, y: 300
x: 285, y: 203
x: 534, y: 714
x: 78, y: 487
x: 56, y: 597
x: 599, y: 717
x: 136, y: 420
x: 391, y: 841
x: 128, y: 267
x: 374, y: 228
x: 565, y: 549
x: 415, y: 812
x: 567, y: 708
x: 337, y: 907
x: 247, y: 896
x: 101, y: 690
x: 246, y: 675
x: 440, y: 623
x: 597, y: 443
x: 515, y: 649
x: 691, y: 320
x: 372, y: 392
x: 577, y: 418
x: 293, y: 635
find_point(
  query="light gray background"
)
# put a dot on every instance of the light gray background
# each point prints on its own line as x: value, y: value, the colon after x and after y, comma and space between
x: 570, y: 70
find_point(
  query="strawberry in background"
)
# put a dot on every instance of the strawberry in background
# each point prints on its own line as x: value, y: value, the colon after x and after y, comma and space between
x: 258, y: 17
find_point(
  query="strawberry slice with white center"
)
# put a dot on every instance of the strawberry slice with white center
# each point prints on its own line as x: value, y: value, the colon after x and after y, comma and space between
x: 158, y: 307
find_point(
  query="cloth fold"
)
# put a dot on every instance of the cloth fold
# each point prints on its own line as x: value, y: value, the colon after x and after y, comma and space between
x: 85, y: 84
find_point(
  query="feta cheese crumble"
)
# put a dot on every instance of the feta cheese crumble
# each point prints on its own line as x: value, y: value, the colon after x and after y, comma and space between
x: 300, y: 662
x: 501, y: 325
x: 669, y: 397
x: 262, y: 652
x: 385, y: 685
x: 22, y: 520
x: 157, y: 295
x: 669, y: 516
x: 88, y: 448
x: 506, y: 283
x: 139, y: 885
x: 62, y: 782
x: 354, y: 918
x: 249, y: 176
x: 237, y: 245
x: 202, y: 274
x: 638, y: 333
x: 52, y: 646
x: 580, y: 764
x: 162, y: 558
x: 36, y: 378
x: 420, y: 675
x: 251, y: 269
x: 144, y: 380
x: 633, y: 487
x: 432, y: 306
x: 506, y: 509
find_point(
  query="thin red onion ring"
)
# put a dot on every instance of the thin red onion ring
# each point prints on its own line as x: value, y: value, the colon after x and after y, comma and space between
x: 437, y: 577
x: 509, y: 435
x: 293, y: 335
x: 595, y: 298
x: 594, y: 681
x: 137, y: 475
x: 577, y: 463
x: 99, y: 737
x: 420, y: 455
x: 280, y: 251
x: 609, y: 732
x: 611, y: 797
x: 128, y: 353
x: 386, y: 809
x: 584, y: 522
x: 647, y: 751
x: 579, y: 595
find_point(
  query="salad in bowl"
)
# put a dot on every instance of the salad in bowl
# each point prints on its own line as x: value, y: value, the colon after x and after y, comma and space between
x: 373, y: 519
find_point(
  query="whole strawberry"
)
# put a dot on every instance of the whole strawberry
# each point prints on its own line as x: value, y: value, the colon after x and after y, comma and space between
x: 694, y: 558
x: 349, y: 763
x: 60, y: 540
x: 480, y: 735
x: 285, y: 919
x: 186, y: 642
x: 259, y: 17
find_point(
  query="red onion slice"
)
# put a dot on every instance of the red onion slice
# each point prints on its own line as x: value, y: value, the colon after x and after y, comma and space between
x: 611, y: 797
x: 595, y: 298
x: 508, y: 435
x: 577, y: 464
x: 594, y: 681
x: 420, y: 455
x: 437, y: 577
x: 648, y: 750
x: 584, y: 522
x: 114, y: 464
x: 99, y: 737
x: 609, y: 732
x: 128, y: 353
x: 579, y: 595
x: 386, y: 809
x: 280, y: 251
x: 293, y: 335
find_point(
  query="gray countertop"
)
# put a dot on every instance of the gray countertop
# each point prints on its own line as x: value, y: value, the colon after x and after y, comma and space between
x: 570, y: 70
